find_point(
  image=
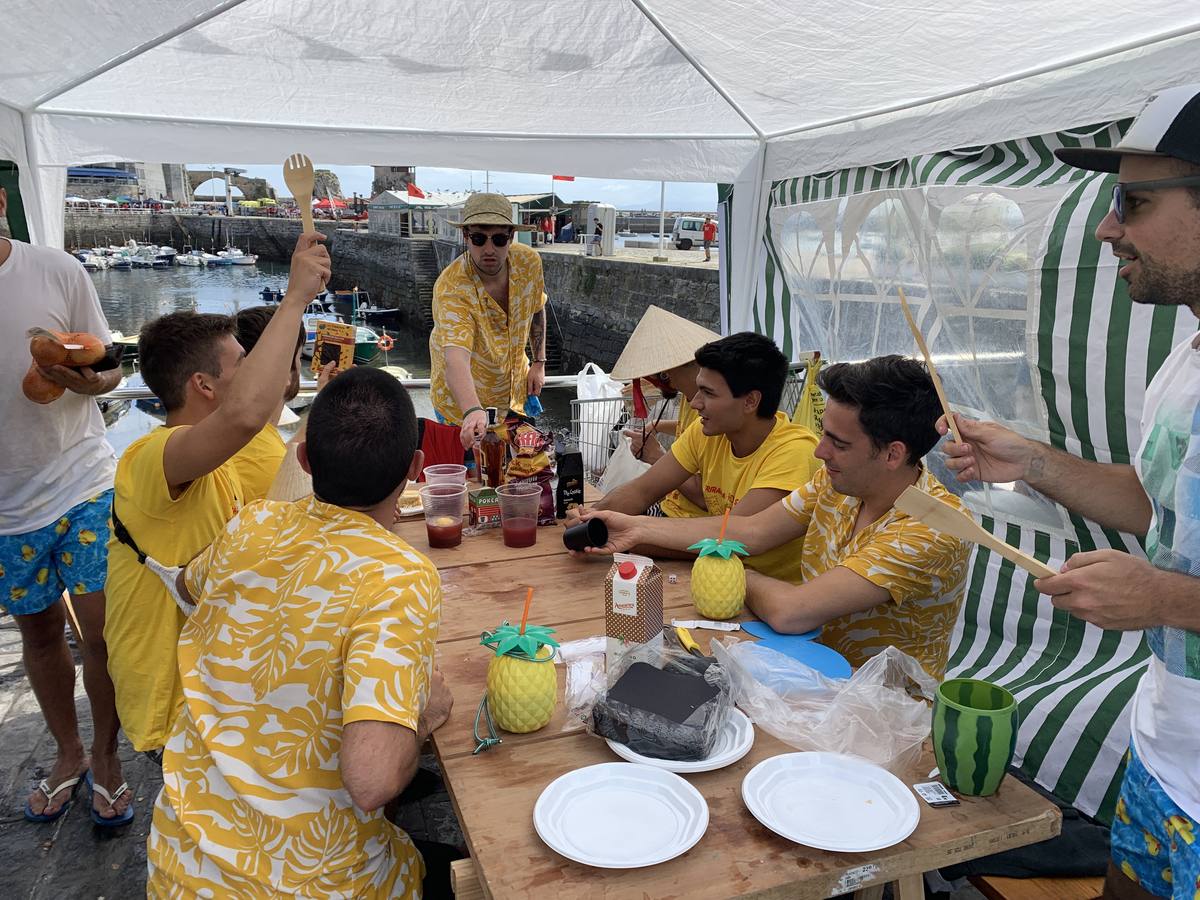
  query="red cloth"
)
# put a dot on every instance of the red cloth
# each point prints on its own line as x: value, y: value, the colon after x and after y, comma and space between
x: 710, y: 231
x: 414, y: 191
x: 440, y: 444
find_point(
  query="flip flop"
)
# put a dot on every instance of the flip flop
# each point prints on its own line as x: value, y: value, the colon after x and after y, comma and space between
x: 115, y: 821
x: 71, y: 784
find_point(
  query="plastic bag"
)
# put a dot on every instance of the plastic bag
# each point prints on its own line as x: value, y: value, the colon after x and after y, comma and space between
x: 871, y: 715
x: 597, y: 418
x: 642, y: 727
x: 623, y: 467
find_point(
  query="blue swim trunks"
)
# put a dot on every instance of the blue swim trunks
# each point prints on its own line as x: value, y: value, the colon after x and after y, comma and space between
x: 1154, y: 842
x: 68, y: 555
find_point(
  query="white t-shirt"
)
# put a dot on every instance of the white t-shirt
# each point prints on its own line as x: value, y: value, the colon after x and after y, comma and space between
x: 55, y: 456
x: 1166, y: 708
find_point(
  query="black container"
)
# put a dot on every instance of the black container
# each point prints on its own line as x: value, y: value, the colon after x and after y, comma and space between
x: 569, y: 493
x: 592, y: 533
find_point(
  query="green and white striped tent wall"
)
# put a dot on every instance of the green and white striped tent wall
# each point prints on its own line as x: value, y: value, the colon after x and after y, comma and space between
x: 1033, y: 329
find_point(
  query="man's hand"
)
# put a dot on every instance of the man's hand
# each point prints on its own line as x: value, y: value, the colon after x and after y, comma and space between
x: 328, y: 372
x: 310, y: 270
x: 1108, y: 588
x: 437, y: 707
x: 988, y: 452
x: 83, y: 380
x: 622, y: 531
x: 535, y: 380
x: 645, y: 446
x: 474, y: 427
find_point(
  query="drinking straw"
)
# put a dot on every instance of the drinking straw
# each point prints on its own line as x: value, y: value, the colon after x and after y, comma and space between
x: 525, y: 615
x: 724, y: 522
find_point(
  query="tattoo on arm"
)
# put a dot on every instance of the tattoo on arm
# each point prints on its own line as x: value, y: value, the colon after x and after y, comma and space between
x: 537, y: 334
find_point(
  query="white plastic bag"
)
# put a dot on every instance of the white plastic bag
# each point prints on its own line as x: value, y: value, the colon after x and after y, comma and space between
x: 872, y: 714
x: 623, y: 466
x: 598, y: 414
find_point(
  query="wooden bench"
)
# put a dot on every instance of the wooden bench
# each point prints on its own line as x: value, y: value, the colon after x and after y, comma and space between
x: 996, y: 888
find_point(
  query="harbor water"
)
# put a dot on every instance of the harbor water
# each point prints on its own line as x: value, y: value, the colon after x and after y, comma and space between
x: 132, y: 297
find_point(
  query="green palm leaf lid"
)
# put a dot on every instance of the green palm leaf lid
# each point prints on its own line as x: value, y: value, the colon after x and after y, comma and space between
x: 719, y: 547
x: 507, y: 640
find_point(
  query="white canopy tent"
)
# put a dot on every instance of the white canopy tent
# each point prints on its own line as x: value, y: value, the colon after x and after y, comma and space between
x: 745, y: 91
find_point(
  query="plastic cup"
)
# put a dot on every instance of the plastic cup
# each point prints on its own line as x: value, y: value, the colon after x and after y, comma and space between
x: 443, y: 505
x: 974, y: 734
x: 518, y: 513
x: 592, y: 533
x: 446, y: 473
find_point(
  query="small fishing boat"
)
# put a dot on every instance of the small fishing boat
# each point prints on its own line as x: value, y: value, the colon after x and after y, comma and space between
x: 194, y: 258
x: 237, y: 257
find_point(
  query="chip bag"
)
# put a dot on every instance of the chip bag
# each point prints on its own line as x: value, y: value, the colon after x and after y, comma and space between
x: 531, y: 462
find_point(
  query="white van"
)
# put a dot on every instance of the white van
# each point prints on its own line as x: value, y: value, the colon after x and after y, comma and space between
x: 688, y: 232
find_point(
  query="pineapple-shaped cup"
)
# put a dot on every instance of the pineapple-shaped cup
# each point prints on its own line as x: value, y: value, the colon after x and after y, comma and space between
x: 521, y: 684
x: 718, y: 578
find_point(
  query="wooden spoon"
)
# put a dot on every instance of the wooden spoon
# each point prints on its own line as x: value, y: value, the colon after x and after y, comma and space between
x: 941, y: 516
x: 933, y: 373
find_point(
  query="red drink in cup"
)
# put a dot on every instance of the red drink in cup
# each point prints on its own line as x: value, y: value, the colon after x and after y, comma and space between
x: 518, y: 513
x: 519, y: 532
x: 443, y: 505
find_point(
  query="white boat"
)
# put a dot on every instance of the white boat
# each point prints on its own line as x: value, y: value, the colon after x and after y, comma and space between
x: 94, y: 262
x: 191, y: 258
x: 237, y: 257
x: 211, y: 259
x: 166, y: 255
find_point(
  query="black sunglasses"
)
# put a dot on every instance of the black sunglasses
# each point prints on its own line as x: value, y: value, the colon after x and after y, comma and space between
x: 499, y: 239
x: 1121, y: 189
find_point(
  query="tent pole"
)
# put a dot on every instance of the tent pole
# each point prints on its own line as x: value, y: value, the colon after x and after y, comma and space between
x: 662, y: 219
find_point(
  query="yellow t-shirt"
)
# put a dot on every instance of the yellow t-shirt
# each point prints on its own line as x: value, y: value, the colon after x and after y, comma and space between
x: 258, y: 462
x: 924, y: 571
x: 141, y: 621
x: 784, y: 461
x: 309, y: 617
x: 465, y: 315
x: 675, y: 505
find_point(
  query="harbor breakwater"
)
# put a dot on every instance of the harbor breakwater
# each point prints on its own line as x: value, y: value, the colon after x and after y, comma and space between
x: 595, y: 302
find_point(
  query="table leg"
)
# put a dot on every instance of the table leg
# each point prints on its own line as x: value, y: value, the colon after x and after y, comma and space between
x: 910, y: 887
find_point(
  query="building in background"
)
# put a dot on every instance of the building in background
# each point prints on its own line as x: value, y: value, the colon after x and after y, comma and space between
x: 392, y: 178
x: 132, y: 180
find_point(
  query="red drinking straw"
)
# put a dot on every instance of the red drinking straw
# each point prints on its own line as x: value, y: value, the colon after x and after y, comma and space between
x: 724, y: 522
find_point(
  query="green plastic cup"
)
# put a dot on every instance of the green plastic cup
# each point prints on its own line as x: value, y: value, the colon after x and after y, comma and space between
x: 974, y: 734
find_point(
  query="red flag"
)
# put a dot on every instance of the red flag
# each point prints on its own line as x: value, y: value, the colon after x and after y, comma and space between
x: 564, y: 178
x: 414, y: 191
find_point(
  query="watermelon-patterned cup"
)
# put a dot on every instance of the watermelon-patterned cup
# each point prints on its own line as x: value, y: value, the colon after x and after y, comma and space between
x: 974, y: 734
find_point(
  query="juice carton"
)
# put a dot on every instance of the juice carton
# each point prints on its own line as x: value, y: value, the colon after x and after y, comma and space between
x: 483, y: 505
x: 633, y: 602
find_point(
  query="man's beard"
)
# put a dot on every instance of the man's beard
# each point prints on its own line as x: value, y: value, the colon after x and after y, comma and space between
x: 1157, y: 285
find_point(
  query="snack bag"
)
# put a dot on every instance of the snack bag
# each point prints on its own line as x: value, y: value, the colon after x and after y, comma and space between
x: 334, y: 343
x: 531, y: 463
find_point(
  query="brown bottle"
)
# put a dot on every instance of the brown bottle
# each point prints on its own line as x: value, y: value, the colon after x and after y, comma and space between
x: 492, y: 450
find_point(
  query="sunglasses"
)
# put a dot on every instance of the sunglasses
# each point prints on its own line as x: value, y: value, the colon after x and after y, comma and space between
x: 499, y: 239
x: 1121, y: 189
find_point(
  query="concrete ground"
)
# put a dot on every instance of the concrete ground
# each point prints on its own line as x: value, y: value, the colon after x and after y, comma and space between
x: 689, y: 258
x: 72, y: 858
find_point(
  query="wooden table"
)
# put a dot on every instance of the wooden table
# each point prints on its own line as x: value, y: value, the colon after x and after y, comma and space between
x: 494, y: 792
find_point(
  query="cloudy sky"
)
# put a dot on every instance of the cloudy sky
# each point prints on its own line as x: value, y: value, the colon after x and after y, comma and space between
x: 681, y: 195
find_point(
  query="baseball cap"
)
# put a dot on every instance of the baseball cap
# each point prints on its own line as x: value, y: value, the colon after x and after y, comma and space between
x: 1167, y: 126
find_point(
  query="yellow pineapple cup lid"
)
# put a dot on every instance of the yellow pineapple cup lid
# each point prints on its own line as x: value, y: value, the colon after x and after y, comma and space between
x: 511, y: 640
x: 661, y: 341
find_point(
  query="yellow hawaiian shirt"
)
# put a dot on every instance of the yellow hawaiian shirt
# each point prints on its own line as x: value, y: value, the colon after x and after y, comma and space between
x: 923, y: 570
x: 465, y: 315
x: 309, y: 617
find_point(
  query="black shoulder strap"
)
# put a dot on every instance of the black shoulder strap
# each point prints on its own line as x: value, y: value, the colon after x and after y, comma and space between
x: 125, y: 537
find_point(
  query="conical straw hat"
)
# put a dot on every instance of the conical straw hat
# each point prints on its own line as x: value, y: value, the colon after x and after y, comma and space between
x: 661, y: 341
x: 291, y: 481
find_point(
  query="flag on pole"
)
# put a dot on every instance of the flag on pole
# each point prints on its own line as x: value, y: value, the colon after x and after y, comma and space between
x: 414, y: 191
x: 563, y: 178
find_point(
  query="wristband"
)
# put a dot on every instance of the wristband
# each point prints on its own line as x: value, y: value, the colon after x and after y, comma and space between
x: 542, y: 361
x: 467, y: 412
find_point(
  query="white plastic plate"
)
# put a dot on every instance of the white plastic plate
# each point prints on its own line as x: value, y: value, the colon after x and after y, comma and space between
x: 831, y: 802
x: 734, y: 742
x: 620, y: 816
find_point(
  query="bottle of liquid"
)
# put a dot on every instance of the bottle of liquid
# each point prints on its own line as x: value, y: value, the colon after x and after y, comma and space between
x: 492, y: 450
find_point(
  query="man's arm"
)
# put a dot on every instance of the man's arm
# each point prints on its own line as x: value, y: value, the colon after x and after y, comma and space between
x: 1106, y: 493
x: 259, y: 381
x: 84, y: 380
x: 760, y: 532
x: 461, y: 382
x: 379, y: 759
x: 797, y: 608
x: 535, y: 379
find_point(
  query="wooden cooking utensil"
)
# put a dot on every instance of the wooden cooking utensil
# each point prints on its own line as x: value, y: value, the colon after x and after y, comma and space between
x: 933, y: 373
x: 941, y: 516
x: 298, y: 176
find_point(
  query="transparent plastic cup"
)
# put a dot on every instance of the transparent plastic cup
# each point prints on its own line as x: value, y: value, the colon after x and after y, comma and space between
x: 443, y: 505
x: 518, y: 513
x: 446, y: 473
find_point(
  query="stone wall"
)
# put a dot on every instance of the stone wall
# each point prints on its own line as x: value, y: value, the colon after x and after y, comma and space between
x: 596, y: 301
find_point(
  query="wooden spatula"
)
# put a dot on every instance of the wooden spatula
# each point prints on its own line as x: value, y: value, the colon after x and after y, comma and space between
x: 943, y: 517
x: 933, y: 373
x: 298, y: 176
